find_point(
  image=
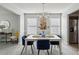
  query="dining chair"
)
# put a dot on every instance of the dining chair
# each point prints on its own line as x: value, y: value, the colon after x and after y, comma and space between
x: 43, y: 45
x: 53, y: 43
x: 29, y: 43
x: 15, y: 37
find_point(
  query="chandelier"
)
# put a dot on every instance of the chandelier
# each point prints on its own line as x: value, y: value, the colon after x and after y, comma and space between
x: 43, y: 23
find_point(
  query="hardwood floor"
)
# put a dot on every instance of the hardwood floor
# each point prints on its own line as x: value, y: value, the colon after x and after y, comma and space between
x: 69, y: 49
x: 15, y: 49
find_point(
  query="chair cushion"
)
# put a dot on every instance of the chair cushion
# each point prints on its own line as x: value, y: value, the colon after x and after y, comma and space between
x: 13, y: 37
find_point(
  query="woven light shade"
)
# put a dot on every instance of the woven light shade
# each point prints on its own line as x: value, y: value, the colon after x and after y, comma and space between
x: 43, y: 23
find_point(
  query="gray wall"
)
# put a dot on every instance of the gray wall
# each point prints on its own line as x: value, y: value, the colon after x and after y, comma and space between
x: 12, y: 18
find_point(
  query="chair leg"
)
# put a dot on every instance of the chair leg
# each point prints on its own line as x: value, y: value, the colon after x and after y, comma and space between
x: 33, y: 46
x: 38, y: 52
x: 48, y: 52
x: 32, y: 49
x: 60, y: 50
x: 22, y: 50
x: 17, y: 40
x: 11, y: 40
x: 51, y: 49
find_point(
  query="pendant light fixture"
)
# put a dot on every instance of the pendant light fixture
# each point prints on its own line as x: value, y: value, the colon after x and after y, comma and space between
x: 43, y: 24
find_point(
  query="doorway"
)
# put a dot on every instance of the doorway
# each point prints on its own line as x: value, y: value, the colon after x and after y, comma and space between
x: 73, y: 27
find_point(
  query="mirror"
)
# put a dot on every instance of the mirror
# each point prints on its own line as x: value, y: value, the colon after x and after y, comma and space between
x: 4, y: 24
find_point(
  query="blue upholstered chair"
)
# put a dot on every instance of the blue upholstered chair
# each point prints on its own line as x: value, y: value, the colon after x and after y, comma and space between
x: 43, y: 45
x: 54, y: 43
x: 28, y: 43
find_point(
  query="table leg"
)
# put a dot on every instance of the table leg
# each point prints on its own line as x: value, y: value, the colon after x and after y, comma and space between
x: 60, y: 48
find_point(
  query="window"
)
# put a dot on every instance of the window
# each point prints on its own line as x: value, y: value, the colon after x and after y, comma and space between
x: 31, y: 25
x: 54, y: 25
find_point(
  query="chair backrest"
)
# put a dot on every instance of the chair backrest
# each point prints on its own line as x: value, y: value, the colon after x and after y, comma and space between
x: 59, y: 36
x: 17, y: 34
x: 28, y: 43
x: 43, y: 44
x: 23, y: 40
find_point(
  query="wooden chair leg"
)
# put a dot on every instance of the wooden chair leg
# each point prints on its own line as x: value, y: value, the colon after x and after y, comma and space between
x: 32, y: 49
x: 11, y: 40
x: 48, y: 52
x: 22, y: 50
x: 38, y: 52
x: 17, y: 40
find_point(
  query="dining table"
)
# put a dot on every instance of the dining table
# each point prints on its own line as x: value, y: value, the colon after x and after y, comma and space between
x: 47, y: 37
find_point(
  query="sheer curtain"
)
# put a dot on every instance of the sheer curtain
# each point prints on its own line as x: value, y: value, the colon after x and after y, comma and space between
x: 31, y: 26
x: 54, y: 25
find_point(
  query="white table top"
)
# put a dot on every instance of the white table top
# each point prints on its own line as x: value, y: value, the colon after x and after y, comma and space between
x: 47, y: 37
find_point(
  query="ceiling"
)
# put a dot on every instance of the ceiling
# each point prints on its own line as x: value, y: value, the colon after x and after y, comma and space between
x: 38, y: 7
x: 3, y: 11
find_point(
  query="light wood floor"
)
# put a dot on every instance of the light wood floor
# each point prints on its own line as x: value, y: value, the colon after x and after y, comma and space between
x: 15, y: 49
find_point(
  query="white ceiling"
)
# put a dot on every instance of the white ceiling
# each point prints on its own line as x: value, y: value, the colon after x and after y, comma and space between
x: 38, y: 8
